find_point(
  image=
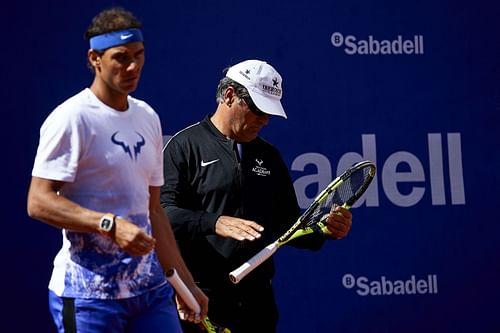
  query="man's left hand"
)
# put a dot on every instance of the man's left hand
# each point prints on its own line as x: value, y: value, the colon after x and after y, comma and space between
x: 339, y: 222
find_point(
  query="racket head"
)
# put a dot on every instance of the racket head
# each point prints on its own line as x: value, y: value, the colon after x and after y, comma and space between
x: 343, y: 191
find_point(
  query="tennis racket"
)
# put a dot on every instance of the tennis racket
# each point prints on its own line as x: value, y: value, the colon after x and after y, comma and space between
x: 182, y: 290
x: 343, y: 191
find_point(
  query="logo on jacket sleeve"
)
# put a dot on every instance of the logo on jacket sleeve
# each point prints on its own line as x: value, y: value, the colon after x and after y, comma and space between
x: 137, y: 144
x: 259, y: 169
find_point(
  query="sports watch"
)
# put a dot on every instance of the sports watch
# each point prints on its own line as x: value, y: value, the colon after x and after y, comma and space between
x: 107, y: 222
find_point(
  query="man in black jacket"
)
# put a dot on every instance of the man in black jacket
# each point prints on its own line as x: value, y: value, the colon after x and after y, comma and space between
x: 228, y: 194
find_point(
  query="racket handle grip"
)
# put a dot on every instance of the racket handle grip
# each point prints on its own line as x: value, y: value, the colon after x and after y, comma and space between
x: 182, y: 290
x: 242, y: 271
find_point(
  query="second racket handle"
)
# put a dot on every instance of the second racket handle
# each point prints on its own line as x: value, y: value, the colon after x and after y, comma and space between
x: 182, y: 290
x: 242, y: 271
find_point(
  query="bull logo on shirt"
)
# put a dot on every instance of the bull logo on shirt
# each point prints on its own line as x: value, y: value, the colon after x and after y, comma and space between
x: 259, y: 169
x: 126, y: 145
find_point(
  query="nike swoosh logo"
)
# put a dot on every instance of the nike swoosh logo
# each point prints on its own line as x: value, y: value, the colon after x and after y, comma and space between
x: 204, y: 164
x: 123, y: 37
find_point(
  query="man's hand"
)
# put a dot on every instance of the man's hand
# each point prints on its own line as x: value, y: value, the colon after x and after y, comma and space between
x: 185, y: 313
x: 131, y: 239
x: 339, y: 222
x: 239, y: 229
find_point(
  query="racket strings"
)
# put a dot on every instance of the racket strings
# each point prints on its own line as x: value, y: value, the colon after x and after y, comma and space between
x: 346, y: 192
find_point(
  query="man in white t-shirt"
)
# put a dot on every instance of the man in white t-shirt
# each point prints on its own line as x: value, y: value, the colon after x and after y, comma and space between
x: 97, y: 176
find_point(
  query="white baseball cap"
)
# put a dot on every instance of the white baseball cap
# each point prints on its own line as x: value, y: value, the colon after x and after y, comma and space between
x: 263, y: 83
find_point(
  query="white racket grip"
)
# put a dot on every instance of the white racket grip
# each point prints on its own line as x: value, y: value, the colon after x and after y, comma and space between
x: 242, y: 271
x: 182, y: 290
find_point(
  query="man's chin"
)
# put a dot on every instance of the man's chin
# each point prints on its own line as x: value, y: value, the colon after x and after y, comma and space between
x: 130, y: 85
x: 247, y: 138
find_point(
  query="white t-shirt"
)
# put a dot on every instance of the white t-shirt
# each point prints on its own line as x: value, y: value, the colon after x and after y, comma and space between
x: 108, y: 160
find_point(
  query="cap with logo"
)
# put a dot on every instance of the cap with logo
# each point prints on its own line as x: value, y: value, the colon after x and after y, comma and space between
x: 263, y: 83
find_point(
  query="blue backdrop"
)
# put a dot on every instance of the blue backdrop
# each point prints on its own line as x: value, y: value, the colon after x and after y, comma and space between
x: 412, y: 85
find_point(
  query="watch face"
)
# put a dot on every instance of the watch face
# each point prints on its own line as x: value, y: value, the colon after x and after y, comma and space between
x: 106, y: 223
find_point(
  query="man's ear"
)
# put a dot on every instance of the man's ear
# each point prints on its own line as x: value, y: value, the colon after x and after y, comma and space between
x: 94, y: 59
x: 229, y: 95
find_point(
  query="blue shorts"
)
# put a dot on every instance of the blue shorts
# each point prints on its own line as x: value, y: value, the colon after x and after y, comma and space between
x: 151, y: 312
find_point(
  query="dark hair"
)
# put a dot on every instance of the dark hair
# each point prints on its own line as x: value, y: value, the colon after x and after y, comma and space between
x: 226, y: 82
x: 109, y: 20
x: 112, y: 19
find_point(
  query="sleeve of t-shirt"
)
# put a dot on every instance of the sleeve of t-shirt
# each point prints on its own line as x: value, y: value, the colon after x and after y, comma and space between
x: 59, y: 147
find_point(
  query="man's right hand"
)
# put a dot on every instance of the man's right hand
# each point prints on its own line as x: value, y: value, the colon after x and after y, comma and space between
x: 239, y: 229
x: 132, y: 239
